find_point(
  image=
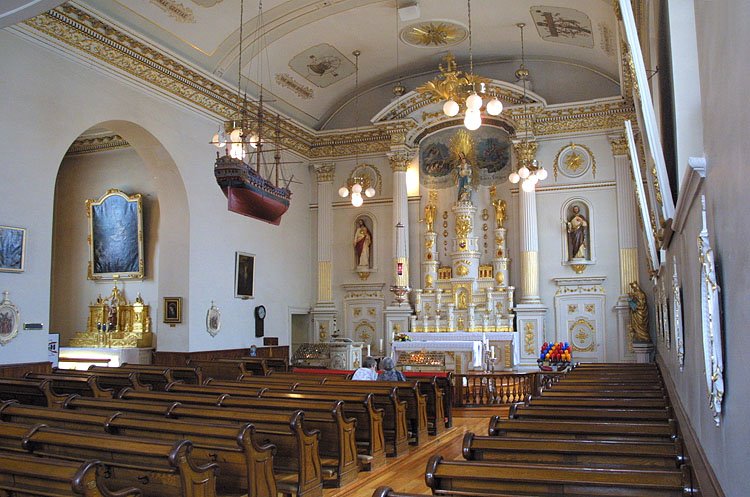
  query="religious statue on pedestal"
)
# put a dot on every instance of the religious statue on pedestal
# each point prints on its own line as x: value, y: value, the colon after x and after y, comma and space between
x: 362, y: 244
x: 464, y: 178
x: 577, y: 228
x: 429, y: 216
x: 638, y: 314
x: 500, y: 207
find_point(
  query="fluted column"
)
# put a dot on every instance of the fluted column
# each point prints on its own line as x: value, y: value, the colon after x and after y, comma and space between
x: 324, y: 312
x: 627, y: 234
x: 529, y: 238
x: 627, y: 228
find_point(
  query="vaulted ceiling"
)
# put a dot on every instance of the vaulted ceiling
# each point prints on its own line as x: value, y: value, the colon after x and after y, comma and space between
x: 301, y: 52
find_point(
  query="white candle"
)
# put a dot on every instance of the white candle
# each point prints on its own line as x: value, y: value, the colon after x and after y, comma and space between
x: 382, y: 350
x: 368, y: 349
x: 492, y: 351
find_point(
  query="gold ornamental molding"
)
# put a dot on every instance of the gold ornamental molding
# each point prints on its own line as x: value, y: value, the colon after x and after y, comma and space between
x: 97, y: 144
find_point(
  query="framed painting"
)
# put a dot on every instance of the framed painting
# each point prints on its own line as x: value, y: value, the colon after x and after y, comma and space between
x: 172, y: 310
x: 244, y: 275
x: 12, y: 249
x: 115, y: 236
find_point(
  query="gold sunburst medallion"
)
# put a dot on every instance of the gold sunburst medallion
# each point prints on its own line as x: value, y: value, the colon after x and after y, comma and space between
x: 434, y: 34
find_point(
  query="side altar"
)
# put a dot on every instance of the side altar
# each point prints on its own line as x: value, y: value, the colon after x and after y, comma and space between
x: 114, y: 322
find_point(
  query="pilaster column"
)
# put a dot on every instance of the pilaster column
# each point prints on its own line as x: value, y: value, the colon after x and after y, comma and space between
x: 399, y: 158
x: 324, y: 312
x: 627, y: 234
x: 529, y: 234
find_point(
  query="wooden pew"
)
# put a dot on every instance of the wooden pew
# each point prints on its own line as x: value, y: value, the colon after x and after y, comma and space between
x: 593, y: 430
x: 297, y: 466
x: 561, y: 412
x: 471, y: 478
x: 219, y: 370
x: 337, y: 446
x: 157, y: 378
x: 185, y: 374
x: 87, y: 386
x: 268, y: 364
x: 611, y: 394
x: 416, y: 404
x: 603, y: 402
x: 35, y: 392
x: 245, y: 467
x: 26, y: 475
x: 158, y: 469
x: 369, y: 422
x: 586, y: 453
x: 115, y: 381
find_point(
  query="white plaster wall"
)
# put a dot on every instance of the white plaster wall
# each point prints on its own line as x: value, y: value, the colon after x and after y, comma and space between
x: 47, y: 102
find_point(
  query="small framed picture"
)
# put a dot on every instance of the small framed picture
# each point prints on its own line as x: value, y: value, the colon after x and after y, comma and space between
x: 12, y: 249
x: 172, y: 310
x: 244, y: 275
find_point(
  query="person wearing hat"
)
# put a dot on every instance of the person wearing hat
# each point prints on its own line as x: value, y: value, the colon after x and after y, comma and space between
x: 390, y: 374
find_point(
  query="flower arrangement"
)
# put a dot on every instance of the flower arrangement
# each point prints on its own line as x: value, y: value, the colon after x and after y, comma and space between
x: 401, y: 337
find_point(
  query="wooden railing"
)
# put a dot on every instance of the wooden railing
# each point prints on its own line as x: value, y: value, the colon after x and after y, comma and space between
x: 487, y: 389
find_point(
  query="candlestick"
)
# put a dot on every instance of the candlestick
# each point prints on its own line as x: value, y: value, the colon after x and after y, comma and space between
x: 382, y: 350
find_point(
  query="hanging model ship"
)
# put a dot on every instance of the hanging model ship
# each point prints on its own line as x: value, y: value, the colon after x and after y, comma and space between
x: 248, y: 192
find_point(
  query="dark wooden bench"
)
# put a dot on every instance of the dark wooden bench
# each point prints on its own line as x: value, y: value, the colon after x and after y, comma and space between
x: 610, y: 394
x: 297, y: 467
x: 268, y: 364
x: 337, y: 446
x: 185, y: 374
x: 244, y: 466
x: 587, y: 453
x: 27, y: 475
x: 603, y: 402
x: 35, y: 392
x: 368, y: 428
x: 156, y: 378
x: 87, y: 386
x: 220, y: 370
x: 586, y: 430
x: 158, y: 469
x: 114, y: 381
x: 563, y: 411
x: 471, y: 478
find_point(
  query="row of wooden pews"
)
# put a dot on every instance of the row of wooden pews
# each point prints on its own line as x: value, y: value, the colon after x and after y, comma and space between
x: 599, y: 430
x: 252, y: 435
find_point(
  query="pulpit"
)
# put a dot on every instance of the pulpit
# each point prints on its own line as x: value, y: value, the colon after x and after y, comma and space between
x: 345, y: 354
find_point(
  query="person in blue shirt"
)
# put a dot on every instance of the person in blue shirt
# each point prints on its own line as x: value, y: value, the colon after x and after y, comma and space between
x: 390, y: 374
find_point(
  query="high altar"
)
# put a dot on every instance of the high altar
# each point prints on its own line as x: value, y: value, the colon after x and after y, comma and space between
x: 465, y: 309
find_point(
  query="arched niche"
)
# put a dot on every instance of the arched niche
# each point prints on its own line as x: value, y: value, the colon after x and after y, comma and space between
x: 138, y: 164
x: 577, y: 232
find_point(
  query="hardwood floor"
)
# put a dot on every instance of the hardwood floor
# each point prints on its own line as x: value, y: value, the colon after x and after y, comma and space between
x: 406, y: 473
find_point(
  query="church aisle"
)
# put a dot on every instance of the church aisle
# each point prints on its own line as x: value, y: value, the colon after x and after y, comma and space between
x: 406, y: 473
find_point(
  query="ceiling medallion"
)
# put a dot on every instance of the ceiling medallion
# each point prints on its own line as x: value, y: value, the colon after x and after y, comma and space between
x: 433, y: 34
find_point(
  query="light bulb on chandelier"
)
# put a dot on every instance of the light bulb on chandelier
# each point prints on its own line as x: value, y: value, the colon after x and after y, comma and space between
x: 474, y: 102
x: 357, y: 199
x: 370, y: 192
x: 472, y: 119
x: 343, y: 192
x: 514, y: 177
x: 451, y: 108
x: 527, y: 186
x: 494, y: 107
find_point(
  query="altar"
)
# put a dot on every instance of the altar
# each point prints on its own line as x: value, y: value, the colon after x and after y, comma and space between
x: 453, y: 355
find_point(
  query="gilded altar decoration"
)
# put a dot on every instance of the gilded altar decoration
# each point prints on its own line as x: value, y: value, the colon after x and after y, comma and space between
x: 573, y: 161
x: 711, y: 321
x: 433, y: 34
x: 583, y: 335
x: 529, y: 337
x: 113, y: 321
x: 430, y: 210
x: 10, y: 316
x: 578, y: 268
x: 638, y: 314
x: 115, y: 222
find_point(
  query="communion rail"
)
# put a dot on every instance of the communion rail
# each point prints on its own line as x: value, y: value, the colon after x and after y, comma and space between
x: 488, y: 389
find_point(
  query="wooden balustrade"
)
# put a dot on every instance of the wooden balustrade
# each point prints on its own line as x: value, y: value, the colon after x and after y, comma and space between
x: 488, y: 389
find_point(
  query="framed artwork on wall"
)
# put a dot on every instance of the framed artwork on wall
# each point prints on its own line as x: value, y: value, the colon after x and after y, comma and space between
x: 115, y: 236
x: 173, y: 310
x: 12, y: 249
x: 244, y: 275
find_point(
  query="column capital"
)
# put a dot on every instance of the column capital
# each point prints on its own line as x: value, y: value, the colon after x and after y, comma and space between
x: 525, y: 151
x: 399, y: 158
x: 619, y: 145
x: 324, y: 171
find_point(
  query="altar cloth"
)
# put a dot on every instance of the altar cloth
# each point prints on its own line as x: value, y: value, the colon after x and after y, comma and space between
x: 440, y: 345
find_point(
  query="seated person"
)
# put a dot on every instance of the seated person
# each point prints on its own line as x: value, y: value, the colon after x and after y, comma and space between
x: 368, y: 371
x: 390, y: 374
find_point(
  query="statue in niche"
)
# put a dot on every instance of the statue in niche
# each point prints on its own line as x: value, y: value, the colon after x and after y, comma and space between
x: 638, y: 314
x: 429, y: 216
x: 464, y: 178
x: 362, y: 245
x: 577, y: 228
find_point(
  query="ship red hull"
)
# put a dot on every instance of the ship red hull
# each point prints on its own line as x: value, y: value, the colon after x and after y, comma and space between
x: 255, y: 204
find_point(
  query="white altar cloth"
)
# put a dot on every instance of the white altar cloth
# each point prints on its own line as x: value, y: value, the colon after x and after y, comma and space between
x: 452, y: 345
x: 499, y: 336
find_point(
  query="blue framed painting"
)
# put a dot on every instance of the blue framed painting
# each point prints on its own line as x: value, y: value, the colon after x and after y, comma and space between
x: 115, y: 236
x: 12, y: 249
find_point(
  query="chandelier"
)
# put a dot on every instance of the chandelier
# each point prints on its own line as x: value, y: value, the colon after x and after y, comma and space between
x: 456, y: 87
x: 529, y: 169
x: 357, y: 184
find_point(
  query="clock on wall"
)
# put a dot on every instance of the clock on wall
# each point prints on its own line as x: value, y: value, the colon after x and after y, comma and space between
x: 260, y: 316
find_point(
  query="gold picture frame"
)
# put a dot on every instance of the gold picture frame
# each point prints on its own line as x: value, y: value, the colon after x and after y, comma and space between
x: 172, y: 310
x: 115, y: 240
